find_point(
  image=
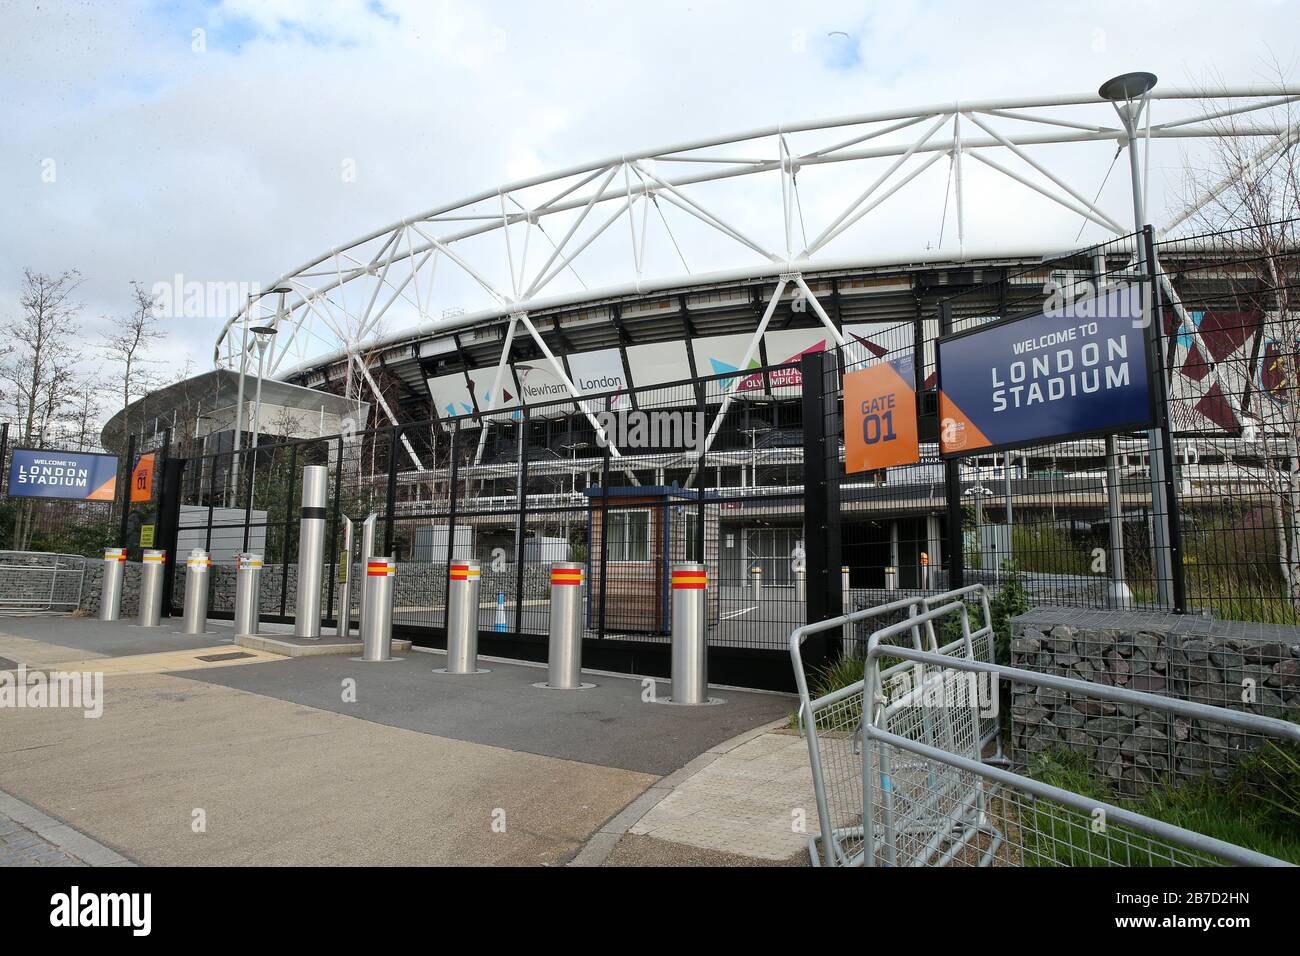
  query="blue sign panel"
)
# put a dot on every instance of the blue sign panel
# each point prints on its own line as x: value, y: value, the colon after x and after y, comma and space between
x: 81, y: 476
x: 1073, y: 370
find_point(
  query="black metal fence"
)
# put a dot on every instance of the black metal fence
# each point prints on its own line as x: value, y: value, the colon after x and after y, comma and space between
x: 628, y: 483
x: 745, y: 472
x: 1200, y: 513
x: 67, y: 526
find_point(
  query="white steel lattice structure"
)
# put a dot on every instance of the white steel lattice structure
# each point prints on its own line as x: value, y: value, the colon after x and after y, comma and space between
x: 769, y: 203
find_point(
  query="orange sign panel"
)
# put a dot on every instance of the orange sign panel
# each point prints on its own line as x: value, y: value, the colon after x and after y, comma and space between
x: 142, y: 479
x: 880, y: 417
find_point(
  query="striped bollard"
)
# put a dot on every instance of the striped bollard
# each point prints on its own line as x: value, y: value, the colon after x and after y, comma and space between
x: 690, y: 661
x: 462, y: 619
x: 248, y: 577
x: 564, y: 661
x: 197, y: 567
x: 377, y: 625
x: 110, y: 599
x: 151, y: 577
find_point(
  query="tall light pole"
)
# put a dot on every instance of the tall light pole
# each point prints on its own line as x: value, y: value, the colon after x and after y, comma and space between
x: 262, y: 336
x: 1128, y: 94
x: 243, y: 368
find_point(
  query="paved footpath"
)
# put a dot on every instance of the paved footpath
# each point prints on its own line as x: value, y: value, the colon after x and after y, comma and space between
x: 326, y: 761
x: 29, y: 837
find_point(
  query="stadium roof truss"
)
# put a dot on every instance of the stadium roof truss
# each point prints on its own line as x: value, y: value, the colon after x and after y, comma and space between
x: 638, y: 221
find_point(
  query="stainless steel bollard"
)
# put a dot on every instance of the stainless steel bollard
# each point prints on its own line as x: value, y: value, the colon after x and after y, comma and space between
x: 378, y: 624
x: 110, y: 598
x: 690, y: 662
x: 800, y: 585
x: 756, y: 583
x: 197, y: 566
x: 891, y: 579
x: 564, y: 661
x: 462, y: 619
x: 844, y: 589
x: 344, y: 613
x: 311, y: 552
x: 248, y: 593
x: 367, y: 552
x: 151, y: 577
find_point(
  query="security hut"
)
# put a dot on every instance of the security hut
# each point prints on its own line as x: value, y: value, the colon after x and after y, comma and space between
x: 648, y: 530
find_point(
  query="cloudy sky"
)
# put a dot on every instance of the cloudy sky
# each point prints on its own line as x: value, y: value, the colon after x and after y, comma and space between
x: 206, y: 139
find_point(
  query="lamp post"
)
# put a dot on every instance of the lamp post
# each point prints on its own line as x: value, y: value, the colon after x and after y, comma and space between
x: 573, y: 448
x: 243, y: 368
x: 262, y: 336
x: 1127, y: 93
x: 753, y: 432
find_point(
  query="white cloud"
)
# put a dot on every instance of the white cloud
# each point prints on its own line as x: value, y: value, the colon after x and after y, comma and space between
x: 227, y: 165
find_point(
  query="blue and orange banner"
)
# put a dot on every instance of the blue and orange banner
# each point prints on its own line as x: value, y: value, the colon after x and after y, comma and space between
x: 1080, y: 369
x: 880, y: 416
x: 74, y: 475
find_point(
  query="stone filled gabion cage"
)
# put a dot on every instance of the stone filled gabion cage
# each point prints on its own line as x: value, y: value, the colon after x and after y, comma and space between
x: 1249, y: 667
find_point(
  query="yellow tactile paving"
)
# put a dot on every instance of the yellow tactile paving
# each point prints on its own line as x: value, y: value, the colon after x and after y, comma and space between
x: 164, y: 661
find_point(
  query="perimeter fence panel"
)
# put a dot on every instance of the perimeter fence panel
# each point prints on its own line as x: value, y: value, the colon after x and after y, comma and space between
x: 628, y: 483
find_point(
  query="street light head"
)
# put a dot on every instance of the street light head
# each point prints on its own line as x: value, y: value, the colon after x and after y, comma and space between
x: 263, y: 331
x: 1127, y: 86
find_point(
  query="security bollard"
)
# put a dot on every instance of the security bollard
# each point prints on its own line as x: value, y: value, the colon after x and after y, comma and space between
x: 110, y: 599
x: 462, y: 619
x: 891, y: 579
x: 690, y: 662
x: 195, y: 620
x: 367, y: 551
x: 343, y: 627
x: 311, y: 552
x: 844, y: 589
x: 248, y: 589
x: 564, y: 662
x: 756, y: 583
x: 377, y: 628
x: 151, y: 577
x: 800, y: 585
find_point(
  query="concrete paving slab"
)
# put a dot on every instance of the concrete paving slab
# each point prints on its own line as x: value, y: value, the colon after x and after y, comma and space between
x: 755, y: 800
x: 275, y: 782
x: 609, y: 725
x: 90, y: 637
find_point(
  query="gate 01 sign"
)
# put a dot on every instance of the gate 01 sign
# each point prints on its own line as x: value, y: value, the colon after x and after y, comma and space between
x: 1078, y: 370
x: 880, y: 417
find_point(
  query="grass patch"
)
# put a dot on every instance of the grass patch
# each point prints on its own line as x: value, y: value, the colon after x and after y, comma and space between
x: 1257, y: 808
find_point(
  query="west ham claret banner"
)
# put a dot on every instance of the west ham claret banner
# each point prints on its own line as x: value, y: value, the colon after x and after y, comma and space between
x: 1067, y: 372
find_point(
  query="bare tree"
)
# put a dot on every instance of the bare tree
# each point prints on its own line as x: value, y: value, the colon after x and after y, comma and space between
x: 84, y: 409
x: 127, y: 347
x: 1247, y: 198
x: 40, y: 351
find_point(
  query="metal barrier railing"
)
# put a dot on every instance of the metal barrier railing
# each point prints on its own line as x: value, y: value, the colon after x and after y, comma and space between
x: 832, y: 723
x: 936, y: 796
x: 931, y: 800
x: 40, y: 581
